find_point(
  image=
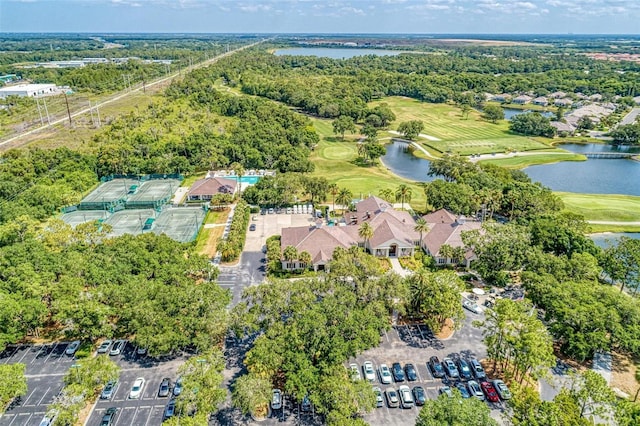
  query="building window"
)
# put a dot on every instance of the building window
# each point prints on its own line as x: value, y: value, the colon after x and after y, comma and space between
x: 290, y: 265
x: 442, y: 261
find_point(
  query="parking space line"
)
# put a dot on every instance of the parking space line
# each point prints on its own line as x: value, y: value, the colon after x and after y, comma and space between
x: 24, y: 404
x: 35, y: 358
x: 6, y: 360
x: 44, y: 396
x: 53, y: 349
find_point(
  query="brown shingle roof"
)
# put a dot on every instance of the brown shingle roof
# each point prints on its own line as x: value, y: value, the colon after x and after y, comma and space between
x: 440, y: 216
x: 447, y: 233
x: 318, y: 242
x: 213, y: 186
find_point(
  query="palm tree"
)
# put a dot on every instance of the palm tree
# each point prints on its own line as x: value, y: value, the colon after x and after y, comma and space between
x: 458, y: 254
x: 421, y: 226
x: 387, y: 194
x: 239, y: 171
x: 344, y: 197
x: 365, y: 231
x: 290, y: 254
x: 334, y: 190
x: 305, y: 258
x: 403, y: 192
x: 446, y: 251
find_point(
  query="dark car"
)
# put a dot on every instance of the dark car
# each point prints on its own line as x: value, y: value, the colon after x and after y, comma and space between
x: 170, y: 409
x: 252, y: 227
x: 419, y: 395
x: 305, y: 405
x: 109, y: 416
x: 435, y: 367
x: 450, y: 368
x: 464, y: 369
x: 398, y: 372
x: 463, y: 390
x: 164, y: 388
x: 410, y: 372
x: 490, y: 391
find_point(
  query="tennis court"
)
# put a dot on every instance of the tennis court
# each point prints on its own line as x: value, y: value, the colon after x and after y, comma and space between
x: 108, y: 195
x: 180, y: 223
x: 129, y: 221
x: 82, y: 216
x: 153, y: 193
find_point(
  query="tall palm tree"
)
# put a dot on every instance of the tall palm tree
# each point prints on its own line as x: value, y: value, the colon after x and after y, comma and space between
x: 305, y: 257
x: 365, y: 231
x: 446, y: 251
x: 344, y: 197
x: 239, y: 171
x: 421, y: 226
x: 458, y: 254
x: 403, y: 192
x: 290, y: 254
x: 334, y: 190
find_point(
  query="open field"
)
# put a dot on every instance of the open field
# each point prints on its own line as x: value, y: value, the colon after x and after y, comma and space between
x: 334, y: 158
x: 471, y: 135
x: 603, y: 207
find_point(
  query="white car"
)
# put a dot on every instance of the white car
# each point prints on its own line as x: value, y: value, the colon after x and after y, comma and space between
x: 73, y: 347
x: 276, y: 399
x: 104, y: 347
x: 471, y: 306
x: 117, y: 347
x: 136, y: 389
x: 385, y: 374
x: 406, y: 398
x: 354, y: 371
x: 369, y: 372
x: 474, y: 389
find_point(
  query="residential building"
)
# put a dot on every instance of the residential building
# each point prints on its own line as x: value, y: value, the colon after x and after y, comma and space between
x: 504, y: 97
x: 541, y: 101
x: 205, y: 189
x: 557, y: 95
x: 564, y: 102
x: 521, y: 100
x: 563, y: 127
x: 446, y: 228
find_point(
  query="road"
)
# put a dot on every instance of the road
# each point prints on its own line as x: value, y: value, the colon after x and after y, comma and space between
x: 630, y: 118
x: 127, y: 93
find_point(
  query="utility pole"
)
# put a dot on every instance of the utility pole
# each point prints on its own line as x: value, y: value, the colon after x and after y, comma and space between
x: 93, y: 121
x: 46, y: 110
x: 39, y: 112
x: 98, y: 112
x: 68, y: 110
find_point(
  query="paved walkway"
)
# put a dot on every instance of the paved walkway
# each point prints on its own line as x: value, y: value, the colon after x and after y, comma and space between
x: 397, y: 268
x: 422, y: 135
x: 602, y: 362
x: 631, y: 117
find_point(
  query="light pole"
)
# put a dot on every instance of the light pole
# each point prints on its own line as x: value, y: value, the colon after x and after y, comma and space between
x: 75, y: 367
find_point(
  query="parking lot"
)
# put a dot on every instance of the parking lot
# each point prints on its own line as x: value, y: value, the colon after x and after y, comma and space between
x: 272, y: 224
x: 46, y: 366
x: 149, y: 409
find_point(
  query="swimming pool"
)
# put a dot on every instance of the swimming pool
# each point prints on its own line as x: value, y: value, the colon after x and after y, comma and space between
x: 249, y: 179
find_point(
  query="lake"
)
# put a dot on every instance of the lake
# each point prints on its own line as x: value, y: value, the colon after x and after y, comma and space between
x: 602, y: 239
x: 509, y: 113
x: 594, y: 176
x: 337, y: 53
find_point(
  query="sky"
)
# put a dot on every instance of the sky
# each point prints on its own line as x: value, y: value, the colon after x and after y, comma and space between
x: 323, y: 16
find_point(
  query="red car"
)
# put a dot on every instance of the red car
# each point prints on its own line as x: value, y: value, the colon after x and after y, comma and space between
x: 490, y: 392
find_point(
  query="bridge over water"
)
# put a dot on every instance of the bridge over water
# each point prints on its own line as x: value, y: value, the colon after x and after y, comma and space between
x: 609, y: 155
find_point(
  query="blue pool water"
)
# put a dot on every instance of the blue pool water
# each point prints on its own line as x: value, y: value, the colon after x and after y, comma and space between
x: 250, y: 179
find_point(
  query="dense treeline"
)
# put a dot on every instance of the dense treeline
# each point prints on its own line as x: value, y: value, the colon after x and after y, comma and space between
x: 330, y: 88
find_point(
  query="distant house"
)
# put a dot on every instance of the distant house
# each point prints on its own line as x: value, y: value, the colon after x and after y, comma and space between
x: 541, y: 101
x: 504, y: 97
x: 564, y: 102
x: 563, y: 127
x: 557, y: 95
x: 521, y: 100
x: 205, y: 189
x: 446, y: 228
x: 597, y: 97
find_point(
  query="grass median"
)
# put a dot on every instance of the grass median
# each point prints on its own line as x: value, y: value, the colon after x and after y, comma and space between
x: 613, y: 208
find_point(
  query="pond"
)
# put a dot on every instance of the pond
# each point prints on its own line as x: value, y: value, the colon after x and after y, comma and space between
x: 337, y: 53
x: 604, y: 239
x: 509, y: 113
x: 594, y: 176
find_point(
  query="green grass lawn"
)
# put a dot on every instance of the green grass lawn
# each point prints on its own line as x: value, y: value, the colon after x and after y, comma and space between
x: 603, y: 207
x: 471, y: 135
x: 333, y: 159
x: 544, y: 157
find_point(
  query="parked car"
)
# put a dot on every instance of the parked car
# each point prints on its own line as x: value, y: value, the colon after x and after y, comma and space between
x: 446, y: 390
x: 502, y: 389
x: 354, y: 371
x: 385, y: 374
x: 474, y: 389
x: 72, y: 348
x: 104, y: 347
x: 471, y: 306
x: 490, y: 391
x: 398, y: 372
x: 379, y: 399
x: 419, y: 395
x: 49, y: 418
x: 170, y: 409
x: 450, y: 368
x: 276, y: 399
x: 252, y: 227
x: 272, y: 211
x: 478, y: 371
x: 436, y: 368
x: 305, y: 405
x: 165, y: 387
x: 140, y: 350
x: 109, y: 390
x: 410, y: 372
x: 368, y: 371
x: 109, y: 416
x: 392, y: 398
x: 464, y: 369
x: 463, y: 390
x: 117, y: 347
x: 136, y: 389
x: 177, y: 387
x: 406, y: 398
